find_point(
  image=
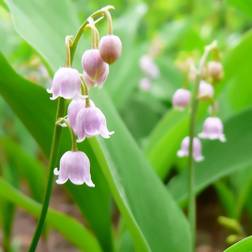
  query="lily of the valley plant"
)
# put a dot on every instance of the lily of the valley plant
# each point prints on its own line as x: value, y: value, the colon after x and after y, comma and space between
x: 204, y: 78
x: 84, y: 119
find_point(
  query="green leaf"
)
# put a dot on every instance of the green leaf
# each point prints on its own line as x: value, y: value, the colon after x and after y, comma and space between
x: 164, y: 141
x: 39, y: 118
x: 244, y: 245
x: 139, y: 194
x: 244, y: 6
x: 27, y: 166
x: 67, y: 226
x: 236, y: 149
x: 238, y: 79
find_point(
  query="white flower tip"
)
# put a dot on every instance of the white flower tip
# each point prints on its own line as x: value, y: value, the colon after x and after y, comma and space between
x: 90, y: 183
x: 199, y: 159
x: 56, y: 171
x: 181, y: 153
x: 60, y: 182
x: 53, y: 98
x: 48, y: 90
x: 79, y: 140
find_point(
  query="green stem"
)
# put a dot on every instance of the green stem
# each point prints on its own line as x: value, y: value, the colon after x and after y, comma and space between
x: 192, y: 125
x: 99, y: 15
x: 52, y: 163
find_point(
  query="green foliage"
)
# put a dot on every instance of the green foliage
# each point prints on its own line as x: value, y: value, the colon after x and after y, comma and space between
x: 214, y: 167
x: 244, y: 245
x: 128, y: 169
x: 122, y: 177
x: 67, y: 226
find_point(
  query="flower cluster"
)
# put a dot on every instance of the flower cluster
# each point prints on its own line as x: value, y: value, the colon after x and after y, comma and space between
x: 84, y: 118
x: 213, y: 129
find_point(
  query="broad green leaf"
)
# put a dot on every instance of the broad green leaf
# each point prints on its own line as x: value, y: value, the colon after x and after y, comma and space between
x: 27, y: 166
x: 238, y: 77
x: 67, y: 226
x: 39, y: 118
x: 164, y: 141
x: 237, y: 151
x: 244, y: 245
x: 129, y: 176
x: 129, y: 181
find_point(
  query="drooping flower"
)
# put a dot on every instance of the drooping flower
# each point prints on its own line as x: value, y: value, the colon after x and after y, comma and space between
x: 149, y: 67
x: 93, y: 65
x: 213, y: 129
x: 66, y: 83
x: 184, y: 149
x: 215, y: 70
x: 110, y: 48
x: 75, y: 166
x: 99, y: 81
x: 145, y: 84
x: 206, y: 90
x: 90, y: 122
x: 181, y: 98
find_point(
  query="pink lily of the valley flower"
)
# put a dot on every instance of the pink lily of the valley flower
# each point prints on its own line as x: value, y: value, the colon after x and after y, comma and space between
x: 90, y: 121
x: 197, y: 148
x: 213, y: 129
x: 181, y: 98
x: 206, y: 90
x: 75, y: 166
x: 66, y: 83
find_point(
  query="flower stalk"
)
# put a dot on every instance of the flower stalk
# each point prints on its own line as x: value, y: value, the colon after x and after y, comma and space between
x: 71, y: 45
x: 192, y: 124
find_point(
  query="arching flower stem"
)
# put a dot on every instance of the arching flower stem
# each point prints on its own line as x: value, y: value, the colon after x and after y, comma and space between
x: 71, y: 45
x: 192, y: 124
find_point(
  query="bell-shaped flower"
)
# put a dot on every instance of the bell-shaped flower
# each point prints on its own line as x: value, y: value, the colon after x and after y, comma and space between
x: 99, y: 81
x: 197, y: 148
x: 75, y: 166
x: 145, y: 84
x: 149, y: 67
x: 213, y: 129
x: 93, y: 65
x: 66, y: 83
x: 206, y: 90
x: 181, y: 98
x: 91, y: 122
x: 215, y: 70
x: 74, y: 108
x: 110, y: 48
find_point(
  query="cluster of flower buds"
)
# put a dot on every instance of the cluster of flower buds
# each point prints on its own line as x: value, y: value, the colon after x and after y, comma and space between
x: 212, y: 126
x: 150, y: 71
x: 83, y: 117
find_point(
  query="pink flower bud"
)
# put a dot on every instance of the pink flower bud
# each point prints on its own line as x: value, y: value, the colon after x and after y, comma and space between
x: 206, y: 90
x: 110, y: 48
x: 75, y: 166
x: 74, y: 108
x: 66, y: 83
x: 149, y: 67
x: 145, y: 84
x: 93, y: 64
x: 213, y: 129
x: 91, y: 122
x: 181, y: 98
x: 215, y: 70
x: 99, y: 82
x: 184, y: 149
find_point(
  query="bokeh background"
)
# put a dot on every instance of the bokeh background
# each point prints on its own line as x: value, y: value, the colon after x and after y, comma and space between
x: 171, y: 32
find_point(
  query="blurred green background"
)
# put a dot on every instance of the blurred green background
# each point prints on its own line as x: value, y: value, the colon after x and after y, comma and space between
x: 141, y: 192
